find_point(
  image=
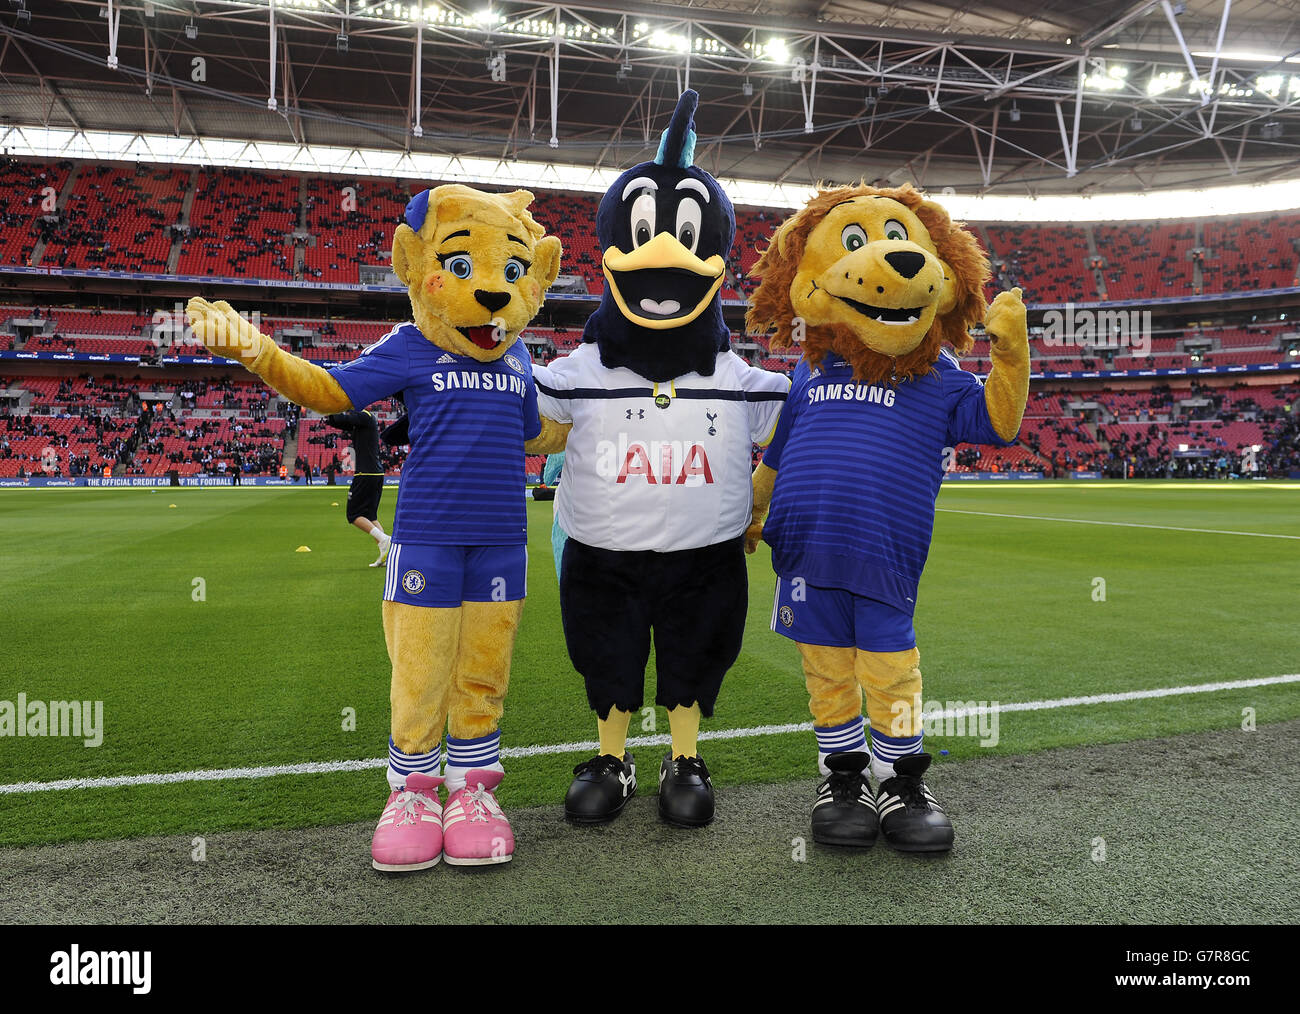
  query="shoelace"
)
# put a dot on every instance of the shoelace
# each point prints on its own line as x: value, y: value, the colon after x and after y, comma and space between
x: 409, y: 800
x: 481, y: 804
x: 600, y: 766
x: 845, y: 788
x: 689, y: 766
x: 910, y: 789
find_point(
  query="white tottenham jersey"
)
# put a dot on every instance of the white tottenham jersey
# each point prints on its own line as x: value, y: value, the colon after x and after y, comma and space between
x: 660, y: 467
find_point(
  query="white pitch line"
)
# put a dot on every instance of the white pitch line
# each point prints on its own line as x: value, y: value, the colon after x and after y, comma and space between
x: 1119, y: 524
x: 329, y: 767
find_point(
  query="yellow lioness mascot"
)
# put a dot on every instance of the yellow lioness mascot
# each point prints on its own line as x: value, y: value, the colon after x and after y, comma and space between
x: 477, y: 267
x: 877, y: 280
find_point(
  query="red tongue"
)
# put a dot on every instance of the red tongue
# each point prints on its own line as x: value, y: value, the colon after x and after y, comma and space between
x: 484, y: 336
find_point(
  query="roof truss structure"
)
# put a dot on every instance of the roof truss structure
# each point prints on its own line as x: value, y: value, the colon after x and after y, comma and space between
x: 1008, y: 96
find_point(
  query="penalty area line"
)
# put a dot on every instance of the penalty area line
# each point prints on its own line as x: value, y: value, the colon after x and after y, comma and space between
x: 712, y: 735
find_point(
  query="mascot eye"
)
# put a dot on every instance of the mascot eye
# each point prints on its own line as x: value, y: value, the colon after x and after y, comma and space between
x: 895, y: 229
x: 515, y: 269
x: 854, y: 237
x: 460, y: 265
x: 688, y: 223
x: 643, y: 218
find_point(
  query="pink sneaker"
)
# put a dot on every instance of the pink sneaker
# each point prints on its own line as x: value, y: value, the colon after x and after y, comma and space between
x: 477, y: 832
x: 409, y: 833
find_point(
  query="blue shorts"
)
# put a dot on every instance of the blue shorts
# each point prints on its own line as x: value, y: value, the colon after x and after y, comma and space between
x: 839, y: 619
x: 446, y: 576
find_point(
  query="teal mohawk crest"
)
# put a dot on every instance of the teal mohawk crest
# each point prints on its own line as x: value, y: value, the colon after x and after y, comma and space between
x: 677, y: 146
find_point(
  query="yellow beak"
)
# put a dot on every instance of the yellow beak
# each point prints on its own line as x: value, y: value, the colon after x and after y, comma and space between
x: 664, y: 251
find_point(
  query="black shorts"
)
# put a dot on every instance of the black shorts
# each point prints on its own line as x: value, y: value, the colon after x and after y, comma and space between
x: 363, y: 497
x: 693, y: 602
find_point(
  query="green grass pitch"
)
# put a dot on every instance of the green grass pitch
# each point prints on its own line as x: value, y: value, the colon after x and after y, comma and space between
x: 97, y: 599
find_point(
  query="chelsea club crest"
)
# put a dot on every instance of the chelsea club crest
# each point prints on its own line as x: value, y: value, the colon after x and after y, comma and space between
x: 413, y: 582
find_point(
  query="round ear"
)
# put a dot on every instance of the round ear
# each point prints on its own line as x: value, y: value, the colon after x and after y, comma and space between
x: 407, y: 253
x: 546, y: 260
x: 782, y: 238
x: 518, y: 201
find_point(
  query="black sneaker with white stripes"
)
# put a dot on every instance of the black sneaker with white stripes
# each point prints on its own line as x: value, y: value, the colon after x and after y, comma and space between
x: 911, y: 819
x: 845, y: 811
x: 600, y: 789
x: 685, y: 791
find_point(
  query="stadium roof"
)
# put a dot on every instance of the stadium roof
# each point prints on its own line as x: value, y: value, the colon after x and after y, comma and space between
x: 999, y: 96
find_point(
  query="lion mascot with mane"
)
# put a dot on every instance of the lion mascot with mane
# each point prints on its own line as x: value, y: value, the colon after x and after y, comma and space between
x: 878, y: 281
x: 477, y: 267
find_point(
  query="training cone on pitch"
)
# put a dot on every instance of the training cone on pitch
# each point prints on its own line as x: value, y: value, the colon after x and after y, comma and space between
x: 171, y: 505
x: 303, y: 549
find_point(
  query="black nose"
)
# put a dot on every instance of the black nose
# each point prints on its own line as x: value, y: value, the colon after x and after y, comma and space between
x: 905, y: 262
x: 495, y: 300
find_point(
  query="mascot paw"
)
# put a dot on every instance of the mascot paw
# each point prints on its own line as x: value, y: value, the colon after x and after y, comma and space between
x: 1005, y: 320
x: 753, y: 536
x: 223, y: 331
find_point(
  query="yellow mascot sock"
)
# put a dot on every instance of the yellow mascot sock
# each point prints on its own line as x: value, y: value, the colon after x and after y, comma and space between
x: 481, y: 674
x: 422, y: 646
x: 613, y: 732
x: 834, y: 694
x: 892, y: 680
x: 684, y: 724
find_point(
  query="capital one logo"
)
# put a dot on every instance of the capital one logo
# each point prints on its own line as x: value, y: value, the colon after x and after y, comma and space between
x: 655, y: 462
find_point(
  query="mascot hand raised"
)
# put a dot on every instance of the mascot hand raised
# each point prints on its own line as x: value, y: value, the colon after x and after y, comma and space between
x: 881, y: 280
x: 477, y: 267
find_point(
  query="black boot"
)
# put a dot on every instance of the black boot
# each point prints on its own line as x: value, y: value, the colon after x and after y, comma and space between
x: 845, y: 811
x: 685, y: 791
x: 600, y: 789
x: 911, y: 819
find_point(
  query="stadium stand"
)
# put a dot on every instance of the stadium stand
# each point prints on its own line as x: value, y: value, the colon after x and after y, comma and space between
x: 1050, y: 263
x: 261, y: 225
x: 25, y: 190
x: 1251, y: 253
x: 241, y: 224
x: 118, y: 219
x: 278, y: 226
x: 1146, y: 261
x: 351, y: 223
x: 572, y: 217
x: 213, y: 426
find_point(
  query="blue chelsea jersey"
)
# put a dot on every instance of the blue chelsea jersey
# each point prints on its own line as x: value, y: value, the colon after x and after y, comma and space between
x: 463, y: 481
x: 859, y: 467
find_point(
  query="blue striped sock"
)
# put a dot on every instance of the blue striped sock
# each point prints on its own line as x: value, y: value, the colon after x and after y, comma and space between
x: 402, y: 764
x: 464, y: 755
x: 846, y: 738
x: 887, y: 749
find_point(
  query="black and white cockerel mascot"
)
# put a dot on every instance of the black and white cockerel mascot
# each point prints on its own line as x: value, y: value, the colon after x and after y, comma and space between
x: 661, y: 418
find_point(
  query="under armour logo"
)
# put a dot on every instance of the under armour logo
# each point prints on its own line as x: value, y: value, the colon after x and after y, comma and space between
x: 712, y: 416
x: 640, y: 413
x: 627, y: 781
